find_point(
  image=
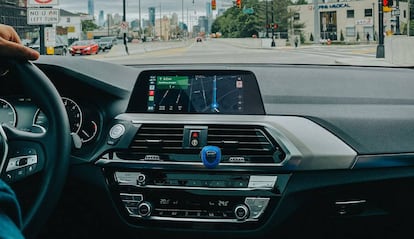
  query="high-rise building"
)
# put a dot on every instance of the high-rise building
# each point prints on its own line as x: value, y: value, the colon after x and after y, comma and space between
x: 101, y: 18
x: 91, y: 8
x: 209, y: 11
x: 151, y: 12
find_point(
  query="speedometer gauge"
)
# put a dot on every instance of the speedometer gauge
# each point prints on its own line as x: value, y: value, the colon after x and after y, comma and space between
x: 7, y: 113
x: 74, y: 114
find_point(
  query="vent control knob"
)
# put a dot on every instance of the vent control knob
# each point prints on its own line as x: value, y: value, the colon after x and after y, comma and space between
x: 141, y: 179
x: 241, y: 212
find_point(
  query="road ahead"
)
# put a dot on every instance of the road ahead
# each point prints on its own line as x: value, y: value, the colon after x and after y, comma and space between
x: 217, y: 51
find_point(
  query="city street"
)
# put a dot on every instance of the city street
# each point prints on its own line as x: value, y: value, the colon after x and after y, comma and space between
x: 219, y: 51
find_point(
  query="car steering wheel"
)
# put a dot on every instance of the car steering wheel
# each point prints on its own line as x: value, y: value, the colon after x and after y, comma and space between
x: 47, y: 152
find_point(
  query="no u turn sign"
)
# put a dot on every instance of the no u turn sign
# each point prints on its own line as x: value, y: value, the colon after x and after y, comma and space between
x: 42, y: 3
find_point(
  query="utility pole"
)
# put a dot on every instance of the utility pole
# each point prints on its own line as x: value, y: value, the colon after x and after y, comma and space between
x: 316, y: 24
x: 380, y: 47
x: 267, y: 20
x: 125, y: 35
x: 160, y: 23
x: 373, y: 22
x: 182, y: 17
x: 273, y: 25
x: 140, y: 23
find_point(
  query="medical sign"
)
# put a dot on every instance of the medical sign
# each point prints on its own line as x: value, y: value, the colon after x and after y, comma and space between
x: 42, y: 3
x: 42, y: 16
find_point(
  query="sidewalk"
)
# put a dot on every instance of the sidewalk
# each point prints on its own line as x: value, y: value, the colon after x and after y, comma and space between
x: 364, y: 61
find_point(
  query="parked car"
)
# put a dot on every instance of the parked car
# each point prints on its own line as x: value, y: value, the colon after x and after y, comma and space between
x: 86, y: 47
x: 61, y: 48
x: 106, y: 43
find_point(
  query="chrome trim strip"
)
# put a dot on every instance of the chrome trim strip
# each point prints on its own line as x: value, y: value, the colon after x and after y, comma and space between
x: 194, y: 188
x: 351, y: 202
x: 104, y: 161
x: 5, y: 146
x: 175, y: 219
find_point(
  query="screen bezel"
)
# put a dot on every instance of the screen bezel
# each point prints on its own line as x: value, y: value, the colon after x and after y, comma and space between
x: 253, y: 103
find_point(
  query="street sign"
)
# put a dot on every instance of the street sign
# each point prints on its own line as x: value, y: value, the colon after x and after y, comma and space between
x: 396, y: 12
x: 50, y: 36
x: 124, y: 27
x: 42, y: 16
x: 42, y: 3
x: 248, y: 10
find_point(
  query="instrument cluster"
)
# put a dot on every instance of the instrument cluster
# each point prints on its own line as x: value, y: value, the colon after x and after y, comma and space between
x: 23, y: 114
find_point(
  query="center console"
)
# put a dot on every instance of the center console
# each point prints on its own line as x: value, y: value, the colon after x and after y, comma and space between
x: 195, y: 173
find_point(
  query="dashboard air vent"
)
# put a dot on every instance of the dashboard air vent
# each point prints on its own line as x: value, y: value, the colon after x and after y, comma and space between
x: 239, y: 144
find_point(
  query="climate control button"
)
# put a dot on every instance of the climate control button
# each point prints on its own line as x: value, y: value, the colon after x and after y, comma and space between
x: 241, y: 212
x: 144, y: 209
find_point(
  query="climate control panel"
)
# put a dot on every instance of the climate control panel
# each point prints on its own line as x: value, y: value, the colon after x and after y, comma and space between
x: 200, y: 197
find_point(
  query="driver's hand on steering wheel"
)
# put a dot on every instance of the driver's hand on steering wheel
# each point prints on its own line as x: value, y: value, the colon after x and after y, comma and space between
x: 11, y: 46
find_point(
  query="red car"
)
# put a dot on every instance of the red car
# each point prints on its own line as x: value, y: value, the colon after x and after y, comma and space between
x: 86, y: 47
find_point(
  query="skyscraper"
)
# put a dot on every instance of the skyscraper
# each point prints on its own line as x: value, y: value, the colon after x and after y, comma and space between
x: 91, y: 8
x: 101, y: 18
x: 151, y: 12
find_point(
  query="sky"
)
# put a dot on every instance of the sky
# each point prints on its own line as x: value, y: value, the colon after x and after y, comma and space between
x: 115, y: 6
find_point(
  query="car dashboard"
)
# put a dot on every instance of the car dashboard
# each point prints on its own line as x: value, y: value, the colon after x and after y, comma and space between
x: 236, y: 151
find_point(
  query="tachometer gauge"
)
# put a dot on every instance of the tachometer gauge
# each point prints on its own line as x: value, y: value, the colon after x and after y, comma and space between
x: 74, y: 114
x: 7, y: 113
x: 88, y: 131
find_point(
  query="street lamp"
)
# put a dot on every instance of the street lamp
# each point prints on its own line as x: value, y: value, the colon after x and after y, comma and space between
x: 273, y: 26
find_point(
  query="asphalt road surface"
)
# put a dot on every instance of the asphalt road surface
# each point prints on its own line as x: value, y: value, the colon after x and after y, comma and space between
x: 216, y: 51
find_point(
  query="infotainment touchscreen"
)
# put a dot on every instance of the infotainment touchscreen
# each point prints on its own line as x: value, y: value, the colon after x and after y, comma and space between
x: 222, y: 92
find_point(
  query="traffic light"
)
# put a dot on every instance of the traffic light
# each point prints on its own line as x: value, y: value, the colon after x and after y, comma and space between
x: 213, y: 5
x: 275, y: 26
x: 387, y: 3
x: 238, y: 3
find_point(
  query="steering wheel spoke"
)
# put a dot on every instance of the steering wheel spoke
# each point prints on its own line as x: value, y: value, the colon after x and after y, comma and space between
x: 26, y: 153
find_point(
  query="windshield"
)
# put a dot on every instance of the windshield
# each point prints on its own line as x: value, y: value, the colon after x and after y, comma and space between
x: 351, y: 32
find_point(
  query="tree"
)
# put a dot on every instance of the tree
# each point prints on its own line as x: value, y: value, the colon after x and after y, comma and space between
x: 300, y: 2
x: 235, y: 23
x: 88, y: 25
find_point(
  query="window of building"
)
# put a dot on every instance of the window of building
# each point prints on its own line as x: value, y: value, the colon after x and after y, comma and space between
x: 68, y: 19
x: 368, y: 12
x: 350, y: 13
x: 405, y: 14
x: 350, y: 31
x: 296, y: 16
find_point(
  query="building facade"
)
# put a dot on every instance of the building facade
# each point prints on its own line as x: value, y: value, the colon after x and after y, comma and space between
x: 69, y: 26
x: 14, y: 13
x: 354, y: 20
x: 151, y: 14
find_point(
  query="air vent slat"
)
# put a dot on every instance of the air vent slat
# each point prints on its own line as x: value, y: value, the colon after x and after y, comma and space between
x: 251, y: 143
